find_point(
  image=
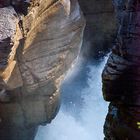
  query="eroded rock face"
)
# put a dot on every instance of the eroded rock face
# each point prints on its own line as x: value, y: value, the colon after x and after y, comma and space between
x: 35, y: 52
x: 121, y: 84
x: 100, y: 28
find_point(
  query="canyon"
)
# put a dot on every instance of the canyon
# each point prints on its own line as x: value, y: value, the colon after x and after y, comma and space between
x: 39, y: 42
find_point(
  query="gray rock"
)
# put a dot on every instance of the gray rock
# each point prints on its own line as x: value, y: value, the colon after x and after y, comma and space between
x: 121, y: 82
x: 100, y: 28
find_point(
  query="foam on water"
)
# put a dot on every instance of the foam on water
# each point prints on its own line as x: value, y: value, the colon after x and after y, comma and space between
x: 88, y: 124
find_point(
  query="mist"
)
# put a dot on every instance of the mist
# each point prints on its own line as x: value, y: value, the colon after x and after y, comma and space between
x: 83, y: 110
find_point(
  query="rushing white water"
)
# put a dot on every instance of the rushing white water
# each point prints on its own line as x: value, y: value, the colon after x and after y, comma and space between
x: 82, y: 115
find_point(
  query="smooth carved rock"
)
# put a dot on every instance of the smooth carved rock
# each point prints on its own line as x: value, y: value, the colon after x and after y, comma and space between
x: 100, y: 27
x: 121, y: 76
x: 42, y: 46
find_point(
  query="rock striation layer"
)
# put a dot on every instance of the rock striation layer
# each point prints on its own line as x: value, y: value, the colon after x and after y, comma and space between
x: 37, y: 46
x: 121, y: 76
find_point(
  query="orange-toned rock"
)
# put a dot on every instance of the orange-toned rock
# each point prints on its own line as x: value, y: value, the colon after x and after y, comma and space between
x: 42, y: 46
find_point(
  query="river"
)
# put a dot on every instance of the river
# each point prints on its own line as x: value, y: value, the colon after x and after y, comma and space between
x: 83, y: 110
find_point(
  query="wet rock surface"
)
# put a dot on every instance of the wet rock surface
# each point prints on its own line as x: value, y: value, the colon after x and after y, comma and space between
x: 36, y: 49
x: 121, y: 85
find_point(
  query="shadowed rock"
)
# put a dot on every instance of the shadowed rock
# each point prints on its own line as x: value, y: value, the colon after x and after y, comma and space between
x: 121, y: 85
x: 100, y: 28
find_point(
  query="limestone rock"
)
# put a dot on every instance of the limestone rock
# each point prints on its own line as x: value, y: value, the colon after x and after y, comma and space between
x: 41, y: 47
x: 121, y: 84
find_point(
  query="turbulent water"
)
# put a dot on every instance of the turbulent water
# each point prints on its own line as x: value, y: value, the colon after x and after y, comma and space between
x: 83, y: 110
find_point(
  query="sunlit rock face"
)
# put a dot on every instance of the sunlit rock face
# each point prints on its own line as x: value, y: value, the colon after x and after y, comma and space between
x: 36, y: 50
x: 121, y: 75
x: 100, y: 28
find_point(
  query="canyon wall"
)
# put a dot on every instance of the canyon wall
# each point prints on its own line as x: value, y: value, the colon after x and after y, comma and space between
x: 121, y: 75
x: 100, y: 28
x: 39, y: 40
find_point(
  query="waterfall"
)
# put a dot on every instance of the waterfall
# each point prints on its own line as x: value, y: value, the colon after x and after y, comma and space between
x: 83, y: 109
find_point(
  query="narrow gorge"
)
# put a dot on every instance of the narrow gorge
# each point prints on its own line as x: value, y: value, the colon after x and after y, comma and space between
x: 69, y: 70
